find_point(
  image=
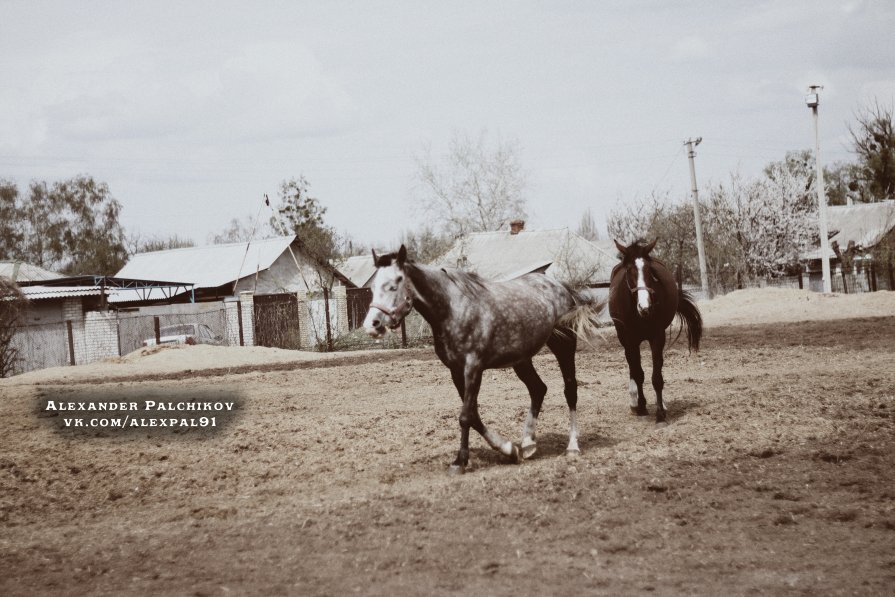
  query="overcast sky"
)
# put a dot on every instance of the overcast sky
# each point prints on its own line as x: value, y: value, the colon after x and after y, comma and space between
x: 191, y: 111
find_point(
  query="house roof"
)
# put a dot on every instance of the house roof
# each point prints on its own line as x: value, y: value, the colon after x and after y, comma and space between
x: 19, y: 271
x: 209, y: 266
x: 358, y: 269
x: 865, y: 224
x: 559, y: 253
x: 53, y: 292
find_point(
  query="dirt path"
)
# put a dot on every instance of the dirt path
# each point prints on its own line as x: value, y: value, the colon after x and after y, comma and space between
x: 774, y: 477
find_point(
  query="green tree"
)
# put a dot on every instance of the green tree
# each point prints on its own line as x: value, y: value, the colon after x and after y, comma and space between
x: 587, y: 228
x: 70, y: 226
x: 303, y: 215
x: 873, y: 139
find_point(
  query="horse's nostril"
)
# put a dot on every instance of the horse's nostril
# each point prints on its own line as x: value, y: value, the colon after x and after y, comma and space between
x: 377, y: 323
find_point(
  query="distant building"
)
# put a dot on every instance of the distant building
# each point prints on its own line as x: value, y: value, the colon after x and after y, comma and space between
x: 856, y: 231
x: 270, y: 266
x: 508, y: 254
x: 359, y: 269
x: 19, y: 271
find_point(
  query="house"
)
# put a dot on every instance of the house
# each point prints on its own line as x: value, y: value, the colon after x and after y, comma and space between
x: 48, y: 304
x: 855, y: 232
x: 269, y: 266
x: 19, y: 271
x: 508, y: 254
x: 358, y: 269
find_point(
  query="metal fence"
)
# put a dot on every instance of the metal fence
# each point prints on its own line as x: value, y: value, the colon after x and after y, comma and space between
x: 138, y: 330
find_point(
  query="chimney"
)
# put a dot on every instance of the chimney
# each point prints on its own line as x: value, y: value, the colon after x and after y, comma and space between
x: 517, y: 226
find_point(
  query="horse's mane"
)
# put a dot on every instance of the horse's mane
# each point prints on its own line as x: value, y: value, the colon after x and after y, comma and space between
x: 470, y: 283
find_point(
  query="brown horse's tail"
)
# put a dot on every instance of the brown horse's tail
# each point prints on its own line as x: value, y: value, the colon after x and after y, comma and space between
x: 688, y: 314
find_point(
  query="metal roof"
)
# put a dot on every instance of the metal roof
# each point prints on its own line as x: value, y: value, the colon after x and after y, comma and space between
x: 503, y: 255
x: 209, y: 266
x: 51, y: 292
x: 865, y: 224
x: 358, y: 269
x: 20, y: 271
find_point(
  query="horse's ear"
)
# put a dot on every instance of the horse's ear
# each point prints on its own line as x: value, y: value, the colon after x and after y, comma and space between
x: 375, y: 258
x: 402, y: 256
x: 621, y: 248
x: 650, y: 247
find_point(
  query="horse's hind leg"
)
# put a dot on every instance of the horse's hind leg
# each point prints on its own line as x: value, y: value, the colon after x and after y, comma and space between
x: 635, y: 384
x: 657, y: 346
x: 537, y: 389
x: 562, y: 344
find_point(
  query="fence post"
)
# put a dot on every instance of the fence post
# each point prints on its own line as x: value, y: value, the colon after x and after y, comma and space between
x: 239, y: 321
x: 158, y: 331
x: 71, y: 342
x: 403, y: 334
x: 329, y: 331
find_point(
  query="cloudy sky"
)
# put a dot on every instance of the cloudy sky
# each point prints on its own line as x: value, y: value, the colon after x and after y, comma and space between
x: 191, y: 111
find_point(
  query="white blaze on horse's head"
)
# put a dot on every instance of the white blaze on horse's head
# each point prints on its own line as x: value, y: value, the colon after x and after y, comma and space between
x: 643, y: 298
x: 392, y: 294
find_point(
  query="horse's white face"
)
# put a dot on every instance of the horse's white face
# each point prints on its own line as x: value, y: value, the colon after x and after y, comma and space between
x: 643, y: 295
x: 391, y: 299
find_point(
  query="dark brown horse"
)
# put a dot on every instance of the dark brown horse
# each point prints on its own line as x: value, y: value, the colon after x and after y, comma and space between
x: 643, y: 301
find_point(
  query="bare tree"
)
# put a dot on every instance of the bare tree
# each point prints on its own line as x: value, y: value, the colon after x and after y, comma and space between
x: 577, y: 264
x: 241, y: 230
x: 138, y: 243
x: 476, y: 187
x: 12, y: 308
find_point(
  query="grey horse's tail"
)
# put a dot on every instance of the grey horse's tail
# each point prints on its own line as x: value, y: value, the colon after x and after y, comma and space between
x: 584, y: 318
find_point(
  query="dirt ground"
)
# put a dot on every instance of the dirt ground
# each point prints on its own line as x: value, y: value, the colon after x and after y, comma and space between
x: 774, y: 476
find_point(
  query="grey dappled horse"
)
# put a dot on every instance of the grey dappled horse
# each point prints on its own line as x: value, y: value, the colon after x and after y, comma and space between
x: 478, y: 325
x: 643, y: 301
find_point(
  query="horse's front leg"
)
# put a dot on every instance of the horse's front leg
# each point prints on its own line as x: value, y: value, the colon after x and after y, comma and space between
x: 657, y: 347
x: 469, y: 418
x: 635, y: 383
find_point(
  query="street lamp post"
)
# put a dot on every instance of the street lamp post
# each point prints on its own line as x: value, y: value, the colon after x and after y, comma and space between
x: 813, y: 99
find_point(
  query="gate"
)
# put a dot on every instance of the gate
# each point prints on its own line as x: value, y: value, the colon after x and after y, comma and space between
x: 276, y: 321
x: 359, y: 300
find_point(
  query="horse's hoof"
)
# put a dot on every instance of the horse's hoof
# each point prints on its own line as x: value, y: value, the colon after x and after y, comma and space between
x: 529, y: 450
x: 661, y: 424
x: 639, y: 412
x: 456, y: 469
x: 574, y: 454
x: 516, y: 454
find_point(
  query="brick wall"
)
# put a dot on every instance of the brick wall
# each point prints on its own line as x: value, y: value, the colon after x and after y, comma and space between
x: 100, y: 335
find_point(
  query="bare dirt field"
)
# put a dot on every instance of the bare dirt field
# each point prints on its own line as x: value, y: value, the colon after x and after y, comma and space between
x: 774, y: 476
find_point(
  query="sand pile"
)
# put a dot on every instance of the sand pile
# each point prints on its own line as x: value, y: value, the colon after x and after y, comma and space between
x: 770, y: 305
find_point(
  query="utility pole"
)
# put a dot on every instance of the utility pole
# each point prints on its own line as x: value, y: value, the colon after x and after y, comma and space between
x: 700, y: 247
x: 813, y: 99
